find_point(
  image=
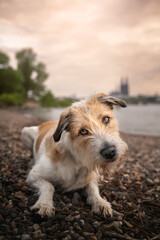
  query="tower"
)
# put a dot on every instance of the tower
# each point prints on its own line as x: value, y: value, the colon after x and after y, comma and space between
x: 124, y: 88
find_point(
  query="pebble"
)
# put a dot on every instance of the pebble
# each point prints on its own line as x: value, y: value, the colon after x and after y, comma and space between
x: 96, y: 224
x: 36, y: 226
x: 67, y: 238
x: 88, y: 228
x: 81, y: 238
x: 39, y: 234
x: 82, y: 222
x: 99, y: 235
x: 25, y: 237
x: 76, y: 198
x: 69, y: 218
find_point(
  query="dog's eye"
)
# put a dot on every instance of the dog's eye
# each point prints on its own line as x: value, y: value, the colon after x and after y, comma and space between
x: 83, y: 131
x: 106, y: 120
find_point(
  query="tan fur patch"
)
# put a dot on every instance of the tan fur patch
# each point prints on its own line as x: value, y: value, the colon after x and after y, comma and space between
x: 91, y: 117
x: 43, y: 130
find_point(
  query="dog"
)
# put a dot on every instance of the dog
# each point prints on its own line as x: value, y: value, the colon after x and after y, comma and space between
x: 73, y: 151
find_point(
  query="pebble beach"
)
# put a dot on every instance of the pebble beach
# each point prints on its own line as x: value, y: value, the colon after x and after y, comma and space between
x: 134, y: 193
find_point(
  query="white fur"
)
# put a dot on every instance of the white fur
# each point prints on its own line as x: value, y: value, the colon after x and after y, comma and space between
x: 29, y: 135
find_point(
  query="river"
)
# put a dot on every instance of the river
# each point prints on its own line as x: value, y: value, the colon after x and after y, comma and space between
x: 135, y: 119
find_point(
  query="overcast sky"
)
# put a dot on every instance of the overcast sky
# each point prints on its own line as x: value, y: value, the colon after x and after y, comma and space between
x: 87, y: 45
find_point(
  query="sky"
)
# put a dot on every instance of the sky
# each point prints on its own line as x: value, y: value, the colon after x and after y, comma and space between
x: 87, y: 45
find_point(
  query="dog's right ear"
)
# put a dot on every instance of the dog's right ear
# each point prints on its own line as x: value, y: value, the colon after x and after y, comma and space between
x: 63, y: 124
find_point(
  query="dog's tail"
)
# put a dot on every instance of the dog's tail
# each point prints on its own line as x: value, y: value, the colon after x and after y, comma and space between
x: 29, y: 134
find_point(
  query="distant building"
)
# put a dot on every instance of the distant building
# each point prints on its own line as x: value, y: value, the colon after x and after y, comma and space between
x: 124, y: 86
x: 123, y: 90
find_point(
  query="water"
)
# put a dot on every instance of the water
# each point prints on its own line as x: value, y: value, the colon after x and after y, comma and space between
x: 140, y: 119
x: 135, y: 119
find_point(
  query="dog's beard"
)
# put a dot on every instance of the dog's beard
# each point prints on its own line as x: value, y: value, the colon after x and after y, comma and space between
x: 112, y: 167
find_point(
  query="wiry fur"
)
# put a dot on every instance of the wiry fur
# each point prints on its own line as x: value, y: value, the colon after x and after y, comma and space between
x: 64, y: 157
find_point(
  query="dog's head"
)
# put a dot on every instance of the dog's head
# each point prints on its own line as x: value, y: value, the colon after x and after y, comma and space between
x: 89, y: 131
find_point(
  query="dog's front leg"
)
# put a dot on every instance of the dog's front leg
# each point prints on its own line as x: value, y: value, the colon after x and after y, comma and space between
x: 99, y: 205
x: 46, y: 191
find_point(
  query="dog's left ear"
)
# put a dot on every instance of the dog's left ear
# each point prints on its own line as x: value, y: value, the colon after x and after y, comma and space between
x: 110, y: 101
x: 63, y: 124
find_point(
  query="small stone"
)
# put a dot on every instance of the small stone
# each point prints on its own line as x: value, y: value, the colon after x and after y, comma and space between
x: 158, y: 188
x: 76, y: 198
x: 20, y: 195
x: 13, y: 215
x: 69, y: 218
x: 156, y: 180
x: 82, y: 222
x: 117, y: 224
x: 10, y: 204
x: 81, y: 238
x: 13, y: 225
x: 21, y: 205
x: 99, y: 235
x: 36, y: 227
x: 47, y: 224
x: 69, y: 205
x: 76, y: 226
x: 87, y: 234
x: 96, y: 224
x: 37, y: 233
x: 15, y: 231
x: 77, y: 216
x: 76, y: 235
x: 88, y: 228
x: 67, y: 238
x: 149, y: 181
x: 93, y: 238
x: 25, y: 237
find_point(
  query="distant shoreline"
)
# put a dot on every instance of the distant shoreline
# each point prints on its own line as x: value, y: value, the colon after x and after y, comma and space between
x: 7, y: 114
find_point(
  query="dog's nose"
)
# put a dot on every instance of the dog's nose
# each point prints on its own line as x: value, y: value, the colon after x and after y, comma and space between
x: 108, y: 152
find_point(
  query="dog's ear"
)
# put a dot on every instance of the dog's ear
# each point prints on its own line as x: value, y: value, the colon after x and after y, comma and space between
x: 110, y: 101
x: 63, y: 124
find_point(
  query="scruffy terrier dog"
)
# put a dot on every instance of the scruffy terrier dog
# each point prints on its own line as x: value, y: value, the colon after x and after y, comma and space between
x: 73, y: 151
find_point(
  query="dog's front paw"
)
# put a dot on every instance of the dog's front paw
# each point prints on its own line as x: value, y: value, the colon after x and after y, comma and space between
x: 102, y: 207
x: 45, y: 208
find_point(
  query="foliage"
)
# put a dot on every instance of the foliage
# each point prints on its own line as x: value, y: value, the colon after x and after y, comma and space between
x: 4, y: 59
x: 11, y: 81
x: 28, y: 78
x: 48, y: 100
x: 34, y: 74
x: 15, y: 99
x: 143, y: 100
x: 41, y: 76
x: 64, y: 102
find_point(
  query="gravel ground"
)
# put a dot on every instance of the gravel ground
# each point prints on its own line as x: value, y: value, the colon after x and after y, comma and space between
x: 134, y: 192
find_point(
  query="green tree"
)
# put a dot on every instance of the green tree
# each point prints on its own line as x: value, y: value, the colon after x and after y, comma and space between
x: 4, y: 59
x: 47, y: 100
x: 11, y: 81
x: 34, y: 74
x: 41, y: 76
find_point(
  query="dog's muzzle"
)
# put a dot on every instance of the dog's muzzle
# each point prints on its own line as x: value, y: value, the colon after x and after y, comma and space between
x: 109, y: 153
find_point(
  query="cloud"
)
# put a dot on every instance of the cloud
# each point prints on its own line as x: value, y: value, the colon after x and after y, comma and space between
x: 87, y: 45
